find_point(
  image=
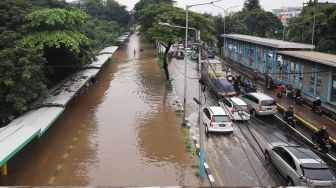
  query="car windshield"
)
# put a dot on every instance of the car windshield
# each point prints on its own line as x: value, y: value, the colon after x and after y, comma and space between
x: 317, y: 173
x: 268, y: 103
x: 220, y: 119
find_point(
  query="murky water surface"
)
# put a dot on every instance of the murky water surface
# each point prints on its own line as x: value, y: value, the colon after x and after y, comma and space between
x: 122, y: 131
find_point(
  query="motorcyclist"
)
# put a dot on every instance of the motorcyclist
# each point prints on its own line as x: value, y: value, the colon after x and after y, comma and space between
x: 297, y: 93
x: 321, y: 138
x: 279, y: 89
x: 289, y: 90
x: 289, y: 113
x: 316, y: 103
x: 271, y: 84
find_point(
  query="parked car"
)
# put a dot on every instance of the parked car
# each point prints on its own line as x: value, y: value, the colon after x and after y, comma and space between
x: 221, y: 87
x: 211, y: 54
x: 236, y: 107
x: 216, y: 120
x: 260, y: 103
x: 299, y: 165
x: 179, y: 54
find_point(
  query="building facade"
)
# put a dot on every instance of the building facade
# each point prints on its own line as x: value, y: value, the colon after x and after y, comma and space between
x: 288, y: 63
x: 286, y: 13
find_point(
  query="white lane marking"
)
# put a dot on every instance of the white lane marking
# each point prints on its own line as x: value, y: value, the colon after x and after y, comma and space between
x: 211, y: 178
x: 206, y: 165
x: 197, y: 146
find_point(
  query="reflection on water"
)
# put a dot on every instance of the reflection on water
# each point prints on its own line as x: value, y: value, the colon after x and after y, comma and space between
x: 121, y: 131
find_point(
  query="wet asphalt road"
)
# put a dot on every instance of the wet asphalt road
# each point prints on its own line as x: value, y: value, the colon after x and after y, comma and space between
x: 234, y: 159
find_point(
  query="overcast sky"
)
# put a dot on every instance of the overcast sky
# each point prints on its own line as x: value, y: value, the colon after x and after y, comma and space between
x: 266, y: 4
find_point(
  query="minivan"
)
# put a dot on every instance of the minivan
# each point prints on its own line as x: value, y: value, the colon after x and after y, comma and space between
x: 260, y: 103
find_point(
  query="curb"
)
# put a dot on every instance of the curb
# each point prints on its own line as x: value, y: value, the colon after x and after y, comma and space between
x: 206, y: 166
x: 178, y: 105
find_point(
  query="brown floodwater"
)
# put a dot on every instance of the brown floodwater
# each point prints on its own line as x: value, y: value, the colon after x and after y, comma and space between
x: 121, y: 131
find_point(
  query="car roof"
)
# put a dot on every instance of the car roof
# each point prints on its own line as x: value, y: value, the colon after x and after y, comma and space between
x: 261, y: 96
x: 302, y: 152
x: 237, y: 101
x: 217, y: 110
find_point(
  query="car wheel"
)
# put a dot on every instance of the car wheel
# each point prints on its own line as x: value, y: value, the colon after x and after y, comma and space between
x: 290, y: 182
x: 267, y: 159
x: 206, y: 130
x: 253, y: 112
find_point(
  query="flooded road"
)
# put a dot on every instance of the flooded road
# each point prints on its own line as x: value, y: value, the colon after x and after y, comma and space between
x: 122, y: 131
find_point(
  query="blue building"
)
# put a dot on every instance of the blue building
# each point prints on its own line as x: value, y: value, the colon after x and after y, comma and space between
x: 287, y: 62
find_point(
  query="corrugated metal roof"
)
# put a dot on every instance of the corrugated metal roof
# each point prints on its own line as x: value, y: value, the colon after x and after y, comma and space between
x: 323, y: 58
x: 269, y: 42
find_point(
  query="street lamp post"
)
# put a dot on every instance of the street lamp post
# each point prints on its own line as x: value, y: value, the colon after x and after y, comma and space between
x: 224, y: 15
x: 185, y: 87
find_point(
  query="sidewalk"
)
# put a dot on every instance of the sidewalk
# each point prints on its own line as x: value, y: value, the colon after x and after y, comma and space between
x: 302, y: 111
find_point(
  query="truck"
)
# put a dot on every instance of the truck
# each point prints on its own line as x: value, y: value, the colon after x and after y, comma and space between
x: 214, y: 75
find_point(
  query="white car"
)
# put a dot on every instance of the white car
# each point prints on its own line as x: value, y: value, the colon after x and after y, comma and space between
x: 299, y: 165
x: 260, y: 103
x: 216, y: 120
x: 236, y: 107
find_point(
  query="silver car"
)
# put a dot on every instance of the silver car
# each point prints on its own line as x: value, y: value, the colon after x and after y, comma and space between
x: 299, y: 165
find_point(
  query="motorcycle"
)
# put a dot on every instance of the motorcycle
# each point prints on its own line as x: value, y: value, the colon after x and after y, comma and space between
x: 290, y: 93
x: 279, y: 94
x: 298, y: 100
x: 318, y: 110
x: 290, y: 120
x: 323, y: 145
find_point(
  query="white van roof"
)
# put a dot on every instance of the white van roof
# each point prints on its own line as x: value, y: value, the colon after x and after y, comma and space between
x: 217, y: 110
x: 238, y: 101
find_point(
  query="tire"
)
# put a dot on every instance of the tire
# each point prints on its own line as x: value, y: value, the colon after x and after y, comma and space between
x: 206, y: 130
x: 289, y: 182
x: 253, y: 112
x: 267, y: 159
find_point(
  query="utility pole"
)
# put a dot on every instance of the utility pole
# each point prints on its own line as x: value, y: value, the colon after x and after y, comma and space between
x: 314, y: 24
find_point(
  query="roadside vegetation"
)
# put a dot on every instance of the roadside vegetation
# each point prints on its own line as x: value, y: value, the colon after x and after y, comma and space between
x: 43, y: 42
x: 300, y: 28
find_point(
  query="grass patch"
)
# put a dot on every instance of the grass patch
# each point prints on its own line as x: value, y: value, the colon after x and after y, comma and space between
x: 178, y: 113
x: 197, y: 174
x: 187, y: 141
x: 168, y: 84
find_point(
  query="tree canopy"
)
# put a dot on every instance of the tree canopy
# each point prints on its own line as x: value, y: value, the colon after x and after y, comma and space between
x: 152, y: 14
x: 43, y: 41
x: 111, y: 10
x: 140, y: 5
x: 300, y: 28
x: 250, y: 5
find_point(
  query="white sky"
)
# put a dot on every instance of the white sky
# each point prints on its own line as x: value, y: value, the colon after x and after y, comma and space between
x: 266, y: 4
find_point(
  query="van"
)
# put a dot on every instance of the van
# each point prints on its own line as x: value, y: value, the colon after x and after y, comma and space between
x: 260, y: 103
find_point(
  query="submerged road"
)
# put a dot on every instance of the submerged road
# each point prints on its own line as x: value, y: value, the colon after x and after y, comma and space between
x: 121, y: 131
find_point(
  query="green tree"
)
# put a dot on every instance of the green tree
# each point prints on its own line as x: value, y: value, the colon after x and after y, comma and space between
x: 300, y: 28
x: 55, y: 32
x: 111, y: 10
x: 152, y: 14
x: 22, y: 75
x: 140, y: 5
x: 250, y: 5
